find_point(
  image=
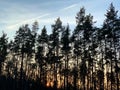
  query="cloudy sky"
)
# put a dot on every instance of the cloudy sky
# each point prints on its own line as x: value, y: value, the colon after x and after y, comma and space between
x: 14, y: 13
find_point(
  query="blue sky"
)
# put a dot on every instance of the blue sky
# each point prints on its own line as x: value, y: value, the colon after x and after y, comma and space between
x: 14, y: 13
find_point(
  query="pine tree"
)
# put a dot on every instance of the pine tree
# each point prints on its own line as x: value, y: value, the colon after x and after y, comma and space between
x: 35, y: 28
x: 54, y: 46
x: 65, y: 41
x: 77, y: 38
x: 23, y: 46
x: 41, y: 52
x: 3, y: 49
x: 110, y: 30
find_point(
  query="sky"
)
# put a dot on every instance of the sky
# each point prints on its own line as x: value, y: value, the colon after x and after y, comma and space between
x: 15, y: 13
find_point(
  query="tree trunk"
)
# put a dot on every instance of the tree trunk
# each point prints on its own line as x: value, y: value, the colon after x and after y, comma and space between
x: 0, y: 68
x: 21, y: 72
x: 67, y: 74
x: 75, y: 80
x: 111, y: 68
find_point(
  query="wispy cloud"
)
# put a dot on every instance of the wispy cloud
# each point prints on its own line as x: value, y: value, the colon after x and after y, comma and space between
x: 69, y: 7
x: 10, y: 27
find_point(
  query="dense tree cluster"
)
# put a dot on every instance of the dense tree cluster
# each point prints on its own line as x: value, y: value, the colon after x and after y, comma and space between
x: 87, y: 59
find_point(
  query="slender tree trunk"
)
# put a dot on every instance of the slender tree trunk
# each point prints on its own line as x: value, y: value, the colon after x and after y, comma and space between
x: 92, y: 78
x: 67, y: 73
x: 117, y: 77
x: 15, y: 83
x: 21, y: 72
x: 102, y: 86
x: 41, y: 72
x: 55, y: 76
x: 60, y: 79
x: 116, y: 65
x: 84, y: 64
x: 117, y: 81
x: 0, y: 68
x: 107, y: 80
x: 84, y: 83
x: 75, y: 81
x: 88, y: 77
x: 75, y: 75
x: 111, y: 68
x: 102, y: 61
x: 26, y: 66
x: 64, y: 81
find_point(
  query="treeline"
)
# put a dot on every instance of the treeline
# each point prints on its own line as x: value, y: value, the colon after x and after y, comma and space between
x: 87, y: 59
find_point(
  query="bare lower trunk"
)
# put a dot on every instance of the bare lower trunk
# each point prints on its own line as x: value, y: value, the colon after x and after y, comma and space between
x: 21, y: 73
x: 0, y: 69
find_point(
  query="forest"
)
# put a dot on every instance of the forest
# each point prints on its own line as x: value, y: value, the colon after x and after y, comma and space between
x: 86, y: 58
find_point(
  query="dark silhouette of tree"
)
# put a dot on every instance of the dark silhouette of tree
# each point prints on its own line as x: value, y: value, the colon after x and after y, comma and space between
x: 23, y: 47
x: 54, y: 46
x: 3, y: 49
x: 65, y: 41
x: 35, y: 28
x: 110, y: 29
x: 83, y: 37
x: 77, y: 36
x: 41, y: 50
